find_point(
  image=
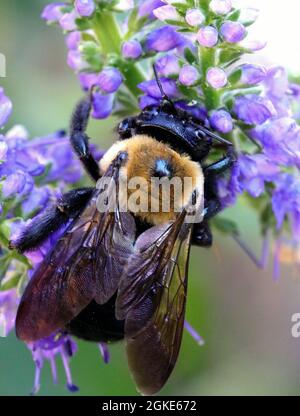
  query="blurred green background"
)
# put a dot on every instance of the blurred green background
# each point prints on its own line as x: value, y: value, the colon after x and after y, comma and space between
x: 243, y: 315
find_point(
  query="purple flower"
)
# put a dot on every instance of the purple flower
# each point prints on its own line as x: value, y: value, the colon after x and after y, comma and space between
x: 3, y: 151
x: 52, y: 12
x: 5, y: 108
x: 67, y: 21
x: 249, y: 174
x: 58, y: 344
x: 9, y: 300
x: 147, y: 100
x: 252, y: 74
x: 166, y: 12
x: 132, y: 49
x: 286, y: 202
x: 146, y: 7
x: 163, y: 39
x: 194, y: 17
x: 88, y: 80
x: 102, y: 105
x: 216, y: 77
x: 253, y: 109
x: 85, y: 8
x: 73, y: 39
x: 110, y: 79
x: 14, y: 184
x: 233, y: 32
x: 188, y: 75
x: 253, y: 45
x: 75, y: 60
x: 221, y: 120
x: 281, y: 140
x: 220, y: 6
x: 207, y: 36
x: 151, y: 88
x: 167, y: 65
x: 254, y: 171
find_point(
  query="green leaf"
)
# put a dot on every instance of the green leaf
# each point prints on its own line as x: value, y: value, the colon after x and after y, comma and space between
x: 235, y: 76
x: 189, y: 56
x: 12, y: 282
x: 234, y: 16
x: 225, y: 226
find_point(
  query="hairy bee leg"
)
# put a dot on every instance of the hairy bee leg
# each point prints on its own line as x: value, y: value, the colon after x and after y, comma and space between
x: 80, y: 140
x: 202, y: 236
x: 57, y: 215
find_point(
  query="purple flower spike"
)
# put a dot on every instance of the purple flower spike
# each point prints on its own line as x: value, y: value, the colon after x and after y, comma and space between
x: 252, y: 74
x: 132, y: 49
x: 110, y: 79
x: 221, y: 120
x: 220, y: 6
x: 194, y: 17
x: 5, y: 108
x: 253, y: 109
x: 167, y: 65
x: 52, y: 12
x: 163, y: 39
x: 188, y: 75
x: 85, y: 8
x: 233, y: 32
x: 216, y: 77
x: 207, y: 36
x: 102, y: 105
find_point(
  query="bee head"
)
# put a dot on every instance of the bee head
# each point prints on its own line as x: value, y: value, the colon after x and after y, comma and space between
x: 171, y: 125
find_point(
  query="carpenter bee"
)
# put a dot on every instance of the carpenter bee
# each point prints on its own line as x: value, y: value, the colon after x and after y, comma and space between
x: 118, y: 273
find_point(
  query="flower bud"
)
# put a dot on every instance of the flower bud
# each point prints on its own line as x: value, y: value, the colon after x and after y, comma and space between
x: 233, y: 32
x: 188, y: 75
x: 207, y: 36
x: 85, y: 8
x: 132, y: 49
x: 221, y: 120
x: 194, y: 17
x: 110, y: 80
x: 216, y: 77
x: 220, y: 6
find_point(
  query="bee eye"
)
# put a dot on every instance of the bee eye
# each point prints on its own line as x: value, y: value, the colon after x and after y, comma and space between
x: 162, y: 169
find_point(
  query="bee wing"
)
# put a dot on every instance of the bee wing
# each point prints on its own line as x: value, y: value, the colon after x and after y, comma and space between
x: 85, y: 264
x: 151, y: 298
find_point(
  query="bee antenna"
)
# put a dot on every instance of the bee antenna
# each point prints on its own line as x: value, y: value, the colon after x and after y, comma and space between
x: 216, y: 137
x: 163, y: 94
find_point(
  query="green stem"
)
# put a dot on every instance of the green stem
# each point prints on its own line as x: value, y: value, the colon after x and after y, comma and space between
x: 207, y: 60
x: 109, y: 36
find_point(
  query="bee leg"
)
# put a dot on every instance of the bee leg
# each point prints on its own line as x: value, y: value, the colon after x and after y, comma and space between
x: 52, y: 219
x: 202, y: 235
x: 80, y: 140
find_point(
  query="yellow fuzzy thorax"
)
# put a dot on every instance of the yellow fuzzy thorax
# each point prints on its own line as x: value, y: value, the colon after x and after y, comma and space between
x: 143, y: 152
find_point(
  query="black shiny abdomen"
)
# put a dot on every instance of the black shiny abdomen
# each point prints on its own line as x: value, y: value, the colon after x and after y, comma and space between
x: 97, y: 323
